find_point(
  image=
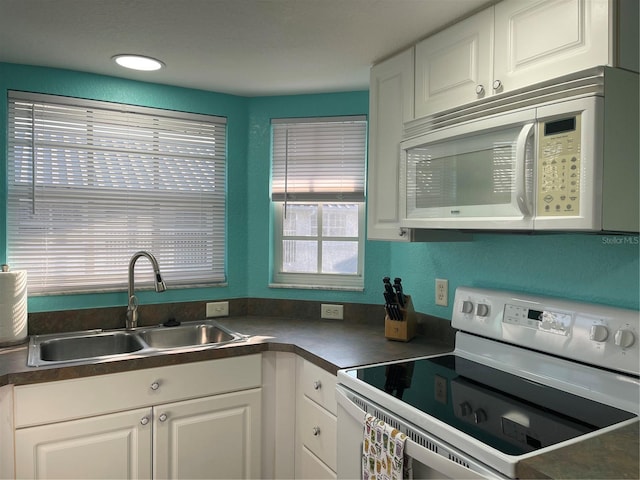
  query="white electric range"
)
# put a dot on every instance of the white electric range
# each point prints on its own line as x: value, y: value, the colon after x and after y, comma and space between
x: 529, y: 374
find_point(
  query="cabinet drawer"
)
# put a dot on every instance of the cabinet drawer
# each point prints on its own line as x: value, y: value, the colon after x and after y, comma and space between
x: 312, y: 468
x: 320, y: 386
x: 83, y: 397
x: 318, y: 431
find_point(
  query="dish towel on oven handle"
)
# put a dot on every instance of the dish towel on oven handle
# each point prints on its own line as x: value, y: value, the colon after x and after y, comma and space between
x: 383, y: 452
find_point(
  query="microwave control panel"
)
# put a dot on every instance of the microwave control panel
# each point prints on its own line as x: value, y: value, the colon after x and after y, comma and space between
x: 559, y: 167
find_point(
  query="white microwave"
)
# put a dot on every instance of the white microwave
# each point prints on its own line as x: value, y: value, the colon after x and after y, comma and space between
x: 564, y: 165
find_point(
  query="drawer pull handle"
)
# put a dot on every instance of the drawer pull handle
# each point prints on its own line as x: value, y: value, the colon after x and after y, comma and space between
x: 163, y: 417
x: 155, y: 385
x: 315, y: 431
x: 144, y: 420
x: 317, y: 385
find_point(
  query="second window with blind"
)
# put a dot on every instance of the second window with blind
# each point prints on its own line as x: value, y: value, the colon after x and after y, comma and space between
x: 318, y: 198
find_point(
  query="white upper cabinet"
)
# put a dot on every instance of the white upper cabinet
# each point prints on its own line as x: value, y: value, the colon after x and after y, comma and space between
x: 538, y: 41
x: 511, y: 45
x: 390, y: 105
x: 455, y: 64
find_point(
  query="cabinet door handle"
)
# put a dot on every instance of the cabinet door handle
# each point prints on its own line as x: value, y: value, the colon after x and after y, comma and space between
x: 497, y: 84
x: 479, y: 89
x: 317, y: 385
x: 155, y: 385
x: 315, y: 431
x: 163, y: 417
x: 144, y: 420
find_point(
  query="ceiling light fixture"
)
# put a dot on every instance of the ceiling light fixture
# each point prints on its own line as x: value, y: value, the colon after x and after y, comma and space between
x: 138, y: 62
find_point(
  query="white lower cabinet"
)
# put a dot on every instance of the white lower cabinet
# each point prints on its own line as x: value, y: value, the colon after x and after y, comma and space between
x: 255, y: 416
x: 117, y: 445
x: 199, y: 420
x: 214, y: 437
x: 316, y: 424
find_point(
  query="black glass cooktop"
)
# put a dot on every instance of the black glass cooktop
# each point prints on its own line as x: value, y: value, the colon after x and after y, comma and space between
x: 507, y: 412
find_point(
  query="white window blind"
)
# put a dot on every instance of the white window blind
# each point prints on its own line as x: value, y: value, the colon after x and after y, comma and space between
x: 319, y: 159
x: 317, y: 187
x: 90, y: 183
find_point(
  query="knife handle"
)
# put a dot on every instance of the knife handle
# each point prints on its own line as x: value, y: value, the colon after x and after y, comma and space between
x: 389, y: 311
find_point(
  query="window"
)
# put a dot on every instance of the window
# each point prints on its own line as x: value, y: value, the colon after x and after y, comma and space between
x: 90, y: 183
x: 317, y: 190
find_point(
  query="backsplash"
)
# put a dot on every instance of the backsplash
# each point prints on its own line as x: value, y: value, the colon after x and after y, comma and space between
x: 41, y: 323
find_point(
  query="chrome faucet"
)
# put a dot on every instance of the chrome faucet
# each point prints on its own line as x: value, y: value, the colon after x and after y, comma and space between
x: 132, y: 306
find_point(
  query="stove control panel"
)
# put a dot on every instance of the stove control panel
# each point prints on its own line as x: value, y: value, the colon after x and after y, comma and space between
x: 548, y: 321
x: 595, y: 334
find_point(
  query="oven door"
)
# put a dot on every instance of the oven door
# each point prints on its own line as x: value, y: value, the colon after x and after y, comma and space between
x: 473, y: 175
x: 430, y: 457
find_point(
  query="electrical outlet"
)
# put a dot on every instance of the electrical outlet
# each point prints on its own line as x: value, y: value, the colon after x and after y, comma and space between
x: 217, y: 309
x: 440, y: 388
x: 442, y: 292
x: 333, y: 312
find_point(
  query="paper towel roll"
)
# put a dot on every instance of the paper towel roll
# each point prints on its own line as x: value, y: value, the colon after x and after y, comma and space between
x: 13, y: 307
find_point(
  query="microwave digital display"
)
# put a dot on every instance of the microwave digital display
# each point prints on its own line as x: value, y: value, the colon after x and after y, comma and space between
x: 560, y: 126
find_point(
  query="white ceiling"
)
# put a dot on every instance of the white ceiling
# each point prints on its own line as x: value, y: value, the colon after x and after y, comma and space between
x: 242, y: 47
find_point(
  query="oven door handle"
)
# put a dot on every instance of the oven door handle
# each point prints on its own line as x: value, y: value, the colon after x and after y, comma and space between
x: 412, y: 449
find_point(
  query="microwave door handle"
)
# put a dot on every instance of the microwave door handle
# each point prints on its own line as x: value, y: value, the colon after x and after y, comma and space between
x: 522, y: 196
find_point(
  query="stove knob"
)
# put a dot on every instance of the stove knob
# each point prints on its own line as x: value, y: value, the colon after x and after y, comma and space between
x: 479, y: 416
x: 624, y: 338
x: 482, y: 310
x: 467, y: 306
x: 599, y: 333
x: 464, y: 409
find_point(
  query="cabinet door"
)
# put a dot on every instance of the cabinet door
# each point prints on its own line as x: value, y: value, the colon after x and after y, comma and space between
x: 211, y: 437
x: 453, y: 67
x: 117, y: 445
x: 390, y: 105
x: 540, y: 40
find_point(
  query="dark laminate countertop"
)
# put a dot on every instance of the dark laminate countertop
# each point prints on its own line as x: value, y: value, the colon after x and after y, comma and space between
x: 330, y: 344
x: 333, y: 345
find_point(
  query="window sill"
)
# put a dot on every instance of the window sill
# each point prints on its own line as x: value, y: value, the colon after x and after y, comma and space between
x: 345, y: 288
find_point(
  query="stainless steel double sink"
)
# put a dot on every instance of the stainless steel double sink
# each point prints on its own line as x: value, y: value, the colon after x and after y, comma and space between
x: 95, y: 346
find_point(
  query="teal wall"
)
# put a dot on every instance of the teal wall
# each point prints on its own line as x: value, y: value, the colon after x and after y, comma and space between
x: 594, y: 268
x: 602, y: 269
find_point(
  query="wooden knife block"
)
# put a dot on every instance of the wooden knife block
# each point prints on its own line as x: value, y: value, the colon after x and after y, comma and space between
x: 405, y: 329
